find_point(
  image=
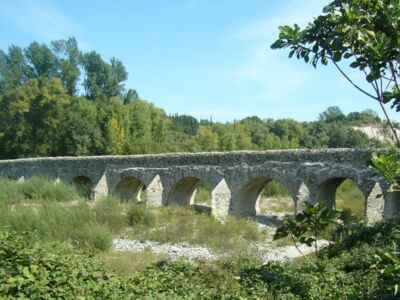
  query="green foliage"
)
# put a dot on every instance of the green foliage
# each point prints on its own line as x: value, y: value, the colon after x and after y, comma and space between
x: 72, y: 223
x: 185, y: 124
x: 388, y: 264
x: 332, y: 114
x: 361, y: 263
x: 110, y: 213
x: 30, y: 270
x: 349, y: 30
x: 308, y: 226
x: 275, y: 189
x: 350, y: 198
x: 35, y: 189
x: 363, y: 266
x: 388, y: 165
x: 362, y: 33
x: 57, y: 100
x: 203, y: 194
x: 138, y: 214
x: 183, y: 225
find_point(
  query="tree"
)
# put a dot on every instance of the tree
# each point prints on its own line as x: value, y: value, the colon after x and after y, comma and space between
x: 68, y: 61
x: 207, y: 139
x: 308, y: 226
x: 101, y: 78
x: 31, y: 118
x: 185, y: 123
x: 13, y: 68
x: 81, y: 134
x: 364, y: 33
x: 332, y: 114
x: 130, y: 96
x: 41, y: 61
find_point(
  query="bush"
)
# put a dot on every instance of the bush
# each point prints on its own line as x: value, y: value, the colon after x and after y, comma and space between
x: 358, y: 268
x: 30, y: 270
x: 36, y: 189
x: 111, y: 213
x: 53, y: 222
x: 93, y: 236
x: 183, y: 225
x: 138, y: 214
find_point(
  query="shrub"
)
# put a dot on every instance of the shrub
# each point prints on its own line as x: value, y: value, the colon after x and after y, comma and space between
x: 183, y: 225
x: 138, y: 214
x: 93, y: 236
x: 36, y: 189
x: 30, y: 270
x: 127, y: 263
x: 111, y: 213
x: 350, y: 270
x: 53, y: 222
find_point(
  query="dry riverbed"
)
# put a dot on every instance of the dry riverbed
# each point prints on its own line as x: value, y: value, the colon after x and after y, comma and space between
x: 266, y: 251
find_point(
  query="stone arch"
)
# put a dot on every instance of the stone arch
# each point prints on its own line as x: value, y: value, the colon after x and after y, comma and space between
x: 328, y: 190
x: 130, y: 188
x: 84, y: 186
x: 183, y: 192
x: 246, y: 198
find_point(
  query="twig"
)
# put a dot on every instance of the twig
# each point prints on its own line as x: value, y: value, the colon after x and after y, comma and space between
x: 352, y: 82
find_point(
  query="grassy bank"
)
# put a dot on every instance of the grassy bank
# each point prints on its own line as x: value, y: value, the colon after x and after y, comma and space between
x: 56, y: 212
x: 55, y: 244
x: 351, y: 269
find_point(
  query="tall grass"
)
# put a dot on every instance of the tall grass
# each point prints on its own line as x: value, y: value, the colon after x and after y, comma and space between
x: 111, y: 212
x: 36, y: 189
x: 53, y: 222
x: 182, y: 225
x: 126, y: 263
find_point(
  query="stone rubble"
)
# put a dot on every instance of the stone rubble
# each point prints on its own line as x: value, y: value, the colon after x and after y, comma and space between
x: 266, y: 251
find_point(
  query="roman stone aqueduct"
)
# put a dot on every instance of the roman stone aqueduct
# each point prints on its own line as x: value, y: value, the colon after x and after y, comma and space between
x: 235, y: 178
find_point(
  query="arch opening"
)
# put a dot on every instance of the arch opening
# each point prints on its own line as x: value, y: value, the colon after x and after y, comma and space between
x: 275, y: 200
x: 202, y: 195
x: 191, y: 192
x: 264, y: 198
x: 84, y: 186
x: 343, y: 194
x: 131, y: 189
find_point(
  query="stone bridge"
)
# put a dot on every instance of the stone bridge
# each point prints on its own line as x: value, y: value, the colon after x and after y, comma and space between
x: 235, y: 179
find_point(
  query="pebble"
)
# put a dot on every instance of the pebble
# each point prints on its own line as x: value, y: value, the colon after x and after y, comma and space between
x: 265, y: 251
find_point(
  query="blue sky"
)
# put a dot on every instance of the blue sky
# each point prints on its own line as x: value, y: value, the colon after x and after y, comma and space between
x: 207, y: 58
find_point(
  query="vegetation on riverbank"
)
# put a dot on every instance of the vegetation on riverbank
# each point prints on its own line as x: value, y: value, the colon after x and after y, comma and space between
x: 351, y: 269
x: 55, y: 246
x: 67, y: 217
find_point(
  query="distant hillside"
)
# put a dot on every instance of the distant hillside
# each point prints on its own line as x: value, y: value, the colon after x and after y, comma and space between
x: 377, y: 131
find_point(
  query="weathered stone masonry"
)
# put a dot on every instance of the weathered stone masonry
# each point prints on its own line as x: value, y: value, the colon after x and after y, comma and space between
x: 235, y: 178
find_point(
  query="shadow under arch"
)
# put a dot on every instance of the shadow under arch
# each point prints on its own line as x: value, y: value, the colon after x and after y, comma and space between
x: 130, y: 189
x: 84, y: 186
x: 343, y: 193
x: 246, y: 202
x: 183, y: 193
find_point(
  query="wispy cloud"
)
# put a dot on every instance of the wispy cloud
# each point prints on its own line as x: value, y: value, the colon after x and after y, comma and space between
x: 41, y: 19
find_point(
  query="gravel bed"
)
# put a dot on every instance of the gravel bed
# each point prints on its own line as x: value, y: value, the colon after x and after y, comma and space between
x: 173, y: 251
